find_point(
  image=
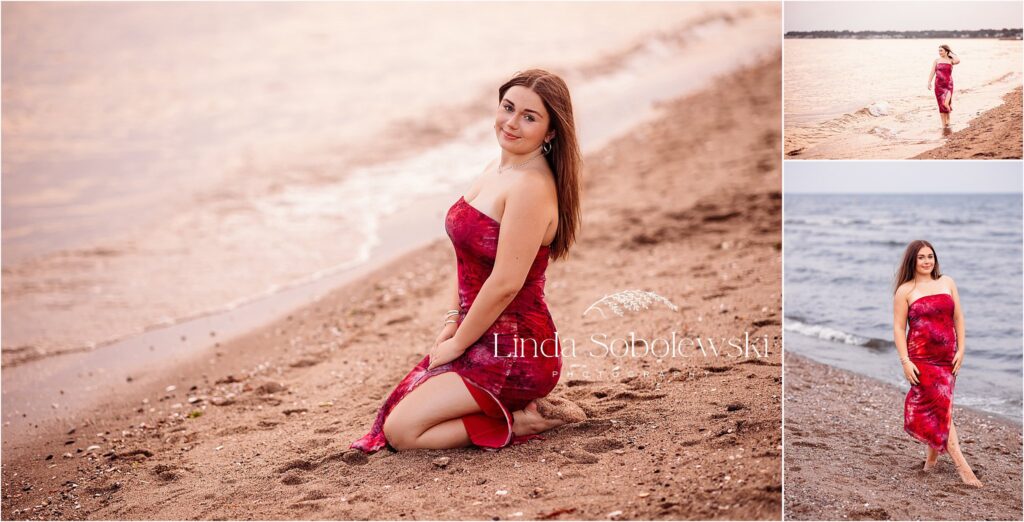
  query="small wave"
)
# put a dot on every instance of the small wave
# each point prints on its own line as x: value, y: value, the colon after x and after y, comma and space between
x: 957, y: 221
x: 884, y: 132
x: 873, y: 110
x: 879, y: 108
x: 884, y: 243
x: 831, y: 334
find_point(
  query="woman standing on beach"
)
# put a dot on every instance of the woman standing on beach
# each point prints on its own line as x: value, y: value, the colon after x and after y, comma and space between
x: 942, y: 72
x: 497, y: 356
x: 931, y: 352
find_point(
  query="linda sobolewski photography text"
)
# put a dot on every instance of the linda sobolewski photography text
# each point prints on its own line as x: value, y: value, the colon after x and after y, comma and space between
x: 853, y: 418
x: 256, y: 366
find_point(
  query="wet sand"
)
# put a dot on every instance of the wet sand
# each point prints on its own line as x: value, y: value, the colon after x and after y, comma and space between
x: 687, y: 206
x: 847, y: 456
x: 994, y: 134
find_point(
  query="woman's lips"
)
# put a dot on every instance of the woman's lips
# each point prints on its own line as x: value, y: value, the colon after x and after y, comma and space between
x: 509, y: 136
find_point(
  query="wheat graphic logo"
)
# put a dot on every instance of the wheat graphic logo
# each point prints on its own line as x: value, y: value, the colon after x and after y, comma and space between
x: 631, y: 300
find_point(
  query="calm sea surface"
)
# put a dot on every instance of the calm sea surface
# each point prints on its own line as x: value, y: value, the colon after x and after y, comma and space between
x: 842, y: 251
x: 832, y: 86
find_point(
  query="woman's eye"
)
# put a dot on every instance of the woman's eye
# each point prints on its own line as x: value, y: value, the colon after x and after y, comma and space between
x: 530, y: 117
x: 507, y: 107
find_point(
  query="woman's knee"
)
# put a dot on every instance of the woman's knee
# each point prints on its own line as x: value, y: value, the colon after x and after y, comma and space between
x: 398, y: 434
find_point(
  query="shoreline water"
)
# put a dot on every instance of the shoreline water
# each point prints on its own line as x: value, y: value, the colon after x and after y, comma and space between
x: 842, y: 103
x: 993, y: 134
x: 88, y: 298
x: 278, y: 407
x: 880, y: 363
x: 847, y: 456
x: 110, y: 365
x: 849, y: 244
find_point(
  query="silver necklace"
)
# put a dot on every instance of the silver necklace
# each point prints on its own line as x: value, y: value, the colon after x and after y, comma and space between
x: 502, y: 169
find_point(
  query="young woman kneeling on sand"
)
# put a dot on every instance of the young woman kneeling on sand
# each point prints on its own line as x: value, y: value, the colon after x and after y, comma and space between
x: 478, y: 385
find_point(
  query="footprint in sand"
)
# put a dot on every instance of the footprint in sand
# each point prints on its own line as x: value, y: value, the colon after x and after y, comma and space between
x: 869, y: 514
x: 293, y: 478
x: 305, y: 362
x: 815, y: 445
x: 634, y: 396
x: 302, y: 464
x: 166, y: 473
x: 234, y: 430
x: 589, y: 427
x: 613, y: 407
x: 602, y: 445
x: 580, y: 457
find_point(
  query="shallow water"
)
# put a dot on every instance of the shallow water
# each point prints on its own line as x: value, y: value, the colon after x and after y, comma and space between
x: 830, y: 85
x: 234, y: 150
x: 841, y: 253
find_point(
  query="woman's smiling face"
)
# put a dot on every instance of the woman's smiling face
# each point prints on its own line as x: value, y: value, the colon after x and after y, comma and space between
x: 522, y: 121
x: 925, y: 261
x: 942, y: 52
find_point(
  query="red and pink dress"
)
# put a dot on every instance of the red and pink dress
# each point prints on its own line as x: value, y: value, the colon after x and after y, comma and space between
x: 516, y: 360
x: 943, y: 84
x: 931, y: 345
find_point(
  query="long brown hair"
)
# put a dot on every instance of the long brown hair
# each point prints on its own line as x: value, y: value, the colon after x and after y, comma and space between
x: 948, y: 50
x: 908, y: 267
x: 564, y: 159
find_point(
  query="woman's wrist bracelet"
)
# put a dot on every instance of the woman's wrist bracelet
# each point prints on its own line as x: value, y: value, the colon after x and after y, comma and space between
x: 450, y: 321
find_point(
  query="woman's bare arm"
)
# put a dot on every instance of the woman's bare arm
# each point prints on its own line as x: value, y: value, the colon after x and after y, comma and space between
x: 931, y: 74
x: 523, y: 225
x: 958, y: 316
x: 954, y: 59
x: 899, y: 322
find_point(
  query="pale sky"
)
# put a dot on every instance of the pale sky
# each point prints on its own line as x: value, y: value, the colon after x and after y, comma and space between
x: 905, y: 176
x: 902, y: 16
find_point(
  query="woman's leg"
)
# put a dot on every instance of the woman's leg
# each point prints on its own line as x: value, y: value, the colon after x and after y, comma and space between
x: 930, y: 459
x: 430, y: 416
x: 953, y: 446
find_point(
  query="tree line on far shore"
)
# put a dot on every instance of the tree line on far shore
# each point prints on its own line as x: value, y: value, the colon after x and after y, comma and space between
x: 1012, y: 34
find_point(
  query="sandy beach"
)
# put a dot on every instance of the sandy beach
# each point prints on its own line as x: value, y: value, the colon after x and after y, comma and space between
x: 686, y: 205
x: 847, y: 456
x: 994, y: 134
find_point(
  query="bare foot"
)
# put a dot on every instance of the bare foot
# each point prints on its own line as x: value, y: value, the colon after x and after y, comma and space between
x: 543, y: 414
x: 529, y: 421
x: 968, y: 477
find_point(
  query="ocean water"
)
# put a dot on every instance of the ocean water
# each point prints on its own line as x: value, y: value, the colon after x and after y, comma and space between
x: 167, y: 161
x: 833, y: 87
x: 842, y: 252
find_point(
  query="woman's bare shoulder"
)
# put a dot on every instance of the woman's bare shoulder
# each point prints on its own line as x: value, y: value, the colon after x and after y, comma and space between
x: 538, y: 183
x: 904, y: 289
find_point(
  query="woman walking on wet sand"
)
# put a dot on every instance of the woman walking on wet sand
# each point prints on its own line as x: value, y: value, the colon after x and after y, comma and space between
x: 942, y: 72
x: 931, y: 353
x: 497, y: 356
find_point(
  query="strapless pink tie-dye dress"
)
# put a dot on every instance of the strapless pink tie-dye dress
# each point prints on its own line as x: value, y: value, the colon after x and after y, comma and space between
x: 503, y: 370
x: 943, y: 85
x: 931, y: 345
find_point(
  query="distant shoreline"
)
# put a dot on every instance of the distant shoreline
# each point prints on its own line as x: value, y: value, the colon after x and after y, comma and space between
x: 1001, y: 34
